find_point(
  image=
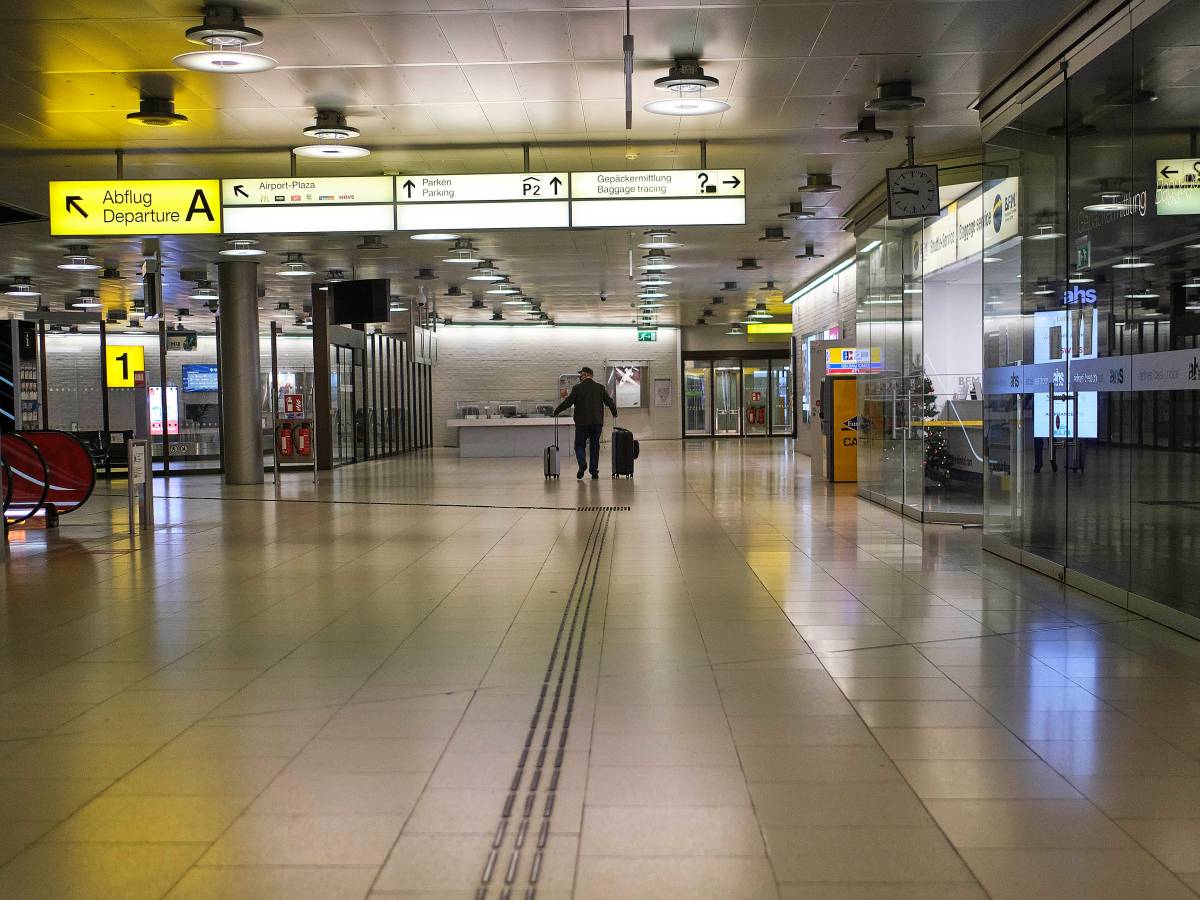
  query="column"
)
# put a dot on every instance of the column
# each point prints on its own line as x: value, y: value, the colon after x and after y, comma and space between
x: 241, y: 392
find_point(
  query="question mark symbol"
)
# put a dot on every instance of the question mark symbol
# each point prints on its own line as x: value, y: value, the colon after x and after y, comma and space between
x: 703, y: 182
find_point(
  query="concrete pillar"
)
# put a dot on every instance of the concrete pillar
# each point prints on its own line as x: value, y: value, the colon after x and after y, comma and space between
x: 241, y: 391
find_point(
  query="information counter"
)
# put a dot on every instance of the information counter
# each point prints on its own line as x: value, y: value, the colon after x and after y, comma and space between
x: 500, y: 437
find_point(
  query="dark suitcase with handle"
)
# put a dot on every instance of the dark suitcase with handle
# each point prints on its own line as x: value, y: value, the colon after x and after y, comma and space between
x: 550, y: 456
x: 624, y: 452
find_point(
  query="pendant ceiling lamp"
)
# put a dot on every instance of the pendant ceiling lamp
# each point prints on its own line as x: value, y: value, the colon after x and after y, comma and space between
x: 225, y: 36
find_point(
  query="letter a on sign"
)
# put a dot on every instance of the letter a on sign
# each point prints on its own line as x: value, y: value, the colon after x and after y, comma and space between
x: 200, y: 204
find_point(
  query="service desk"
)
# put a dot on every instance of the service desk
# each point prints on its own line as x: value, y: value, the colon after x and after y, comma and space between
x: 508, y: 437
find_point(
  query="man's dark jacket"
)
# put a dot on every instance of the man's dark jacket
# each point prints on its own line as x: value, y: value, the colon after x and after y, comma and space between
x: 589, y: 399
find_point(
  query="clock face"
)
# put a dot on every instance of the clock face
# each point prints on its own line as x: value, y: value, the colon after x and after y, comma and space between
x: 913, y: 192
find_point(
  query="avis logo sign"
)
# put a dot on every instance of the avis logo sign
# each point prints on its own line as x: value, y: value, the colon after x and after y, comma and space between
x: 1014, y: 380
x: 1078, y: 295
x: 1117, y: 375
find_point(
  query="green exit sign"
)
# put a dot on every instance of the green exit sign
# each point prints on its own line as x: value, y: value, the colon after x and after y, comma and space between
x: 647, y: 335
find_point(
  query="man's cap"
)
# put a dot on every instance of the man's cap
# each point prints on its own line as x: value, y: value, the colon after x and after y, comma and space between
x: 585, y: 371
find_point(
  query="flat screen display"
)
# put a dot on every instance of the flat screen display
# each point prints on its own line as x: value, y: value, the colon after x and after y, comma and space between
x: 360, y: 302
x: 199, y: 379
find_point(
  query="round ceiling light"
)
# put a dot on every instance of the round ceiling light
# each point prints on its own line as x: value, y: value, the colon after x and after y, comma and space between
x: 686, y: 105
x: 86, y: 300
x: 331, y: 126
x: 76, y: 259
x: 331, y: 151
x: 796, y: 210
x: 1109, y: 201
x: 241, y: 247
x: 434, y: 236
x: 866, y: 133
x: 659, y: 239
x: 504, y: 287
x: 773, y: 234
x: 686, y: 77
x: 1080, y: 278
x: 463, y: 251
x: 157, y: 112
x: 296, y: 267
x: 1133, y: 262
x: 485, y: 271
x: 819, y: 183
x: 894, y: 96
x: 657, y: 260
x: 226, y: 35
x: 810, y: 252
x: 1046, y: 231
x: 652, y: 295
x: 652, y: 280
x: 203, y: 291
x: 238, y: 61
x: 21, y: 286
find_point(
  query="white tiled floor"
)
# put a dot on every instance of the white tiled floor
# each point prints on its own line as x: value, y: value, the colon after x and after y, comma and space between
x: 784, y: 692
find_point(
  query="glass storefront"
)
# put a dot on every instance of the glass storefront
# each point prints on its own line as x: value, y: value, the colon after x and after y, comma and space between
x: 736, y: 397
x: 1092, y: 324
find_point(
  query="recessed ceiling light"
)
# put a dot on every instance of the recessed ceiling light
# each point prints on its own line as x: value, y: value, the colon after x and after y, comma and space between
x: 156, y: 112
x: 894, y: 96
x: 866, y: 133
x: 21, y: 286
x: 241, y: 247
x: 295, y: 267
x: 1133, y: 262
x: 76, y: 259
x: 659, y: 239
x: 331, y: 151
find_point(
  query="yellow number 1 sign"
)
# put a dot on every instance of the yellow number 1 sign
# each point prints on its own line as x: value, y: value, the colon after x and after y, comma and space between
x: 122, y: 363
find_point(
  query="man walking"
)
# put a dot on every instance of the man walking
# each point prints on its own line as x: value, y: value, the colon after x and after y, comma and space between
x: 589, y: 399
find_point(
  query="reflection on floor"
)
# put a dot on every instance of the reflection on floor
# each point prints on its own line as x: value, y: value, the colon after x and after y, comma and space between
x: 783, y: 691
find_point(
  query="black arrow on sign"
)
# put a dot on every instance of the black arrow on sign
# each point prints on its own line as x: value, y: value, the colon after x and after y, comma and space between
x: 555, y: 183
x: 1167, y: 172
x: 408, y: 188
x: 239, y: 191
x: 73, y: 201
x: 732, y: 182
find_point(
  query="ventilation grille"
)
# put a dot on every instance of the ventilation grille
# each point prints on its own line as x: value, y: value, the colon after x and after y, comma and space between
x: 602, y: 509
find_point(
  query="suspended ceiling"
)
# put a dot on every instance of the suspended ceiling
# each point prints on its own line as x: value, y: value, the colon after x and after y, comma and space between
x: 460, y: 85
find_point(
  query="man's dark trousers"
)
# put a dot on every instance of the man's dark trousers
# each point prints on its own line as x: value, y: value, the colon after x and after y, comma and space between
x: 584, y: 434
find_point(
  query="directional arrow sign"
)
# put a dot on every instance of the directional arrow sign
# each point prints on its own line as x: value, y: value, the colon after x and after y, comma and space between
x: 457, y: 202
x: 1177, y: 186
x: 121, y: 207
x: 307, y: 205
x: 662, y: 197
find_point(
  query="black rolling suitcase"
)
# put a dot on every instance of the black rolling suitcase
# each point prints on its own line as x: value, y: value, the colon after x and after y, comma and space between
x: 550, y: 455
x: 624, y: 452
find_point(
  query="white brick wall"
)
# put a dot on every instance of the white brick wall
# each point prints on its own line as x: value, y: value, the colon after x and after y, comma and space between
x: 832, y: 303
x: 503, y: 362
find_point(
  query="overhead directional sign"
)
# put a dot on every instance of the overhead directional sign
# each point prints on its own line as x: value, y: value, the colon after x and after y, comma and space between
x: 135, y: 207
x: 455, y: 202
x: 301, y: 205
x: 1177, y: 186
x: 668, y: 197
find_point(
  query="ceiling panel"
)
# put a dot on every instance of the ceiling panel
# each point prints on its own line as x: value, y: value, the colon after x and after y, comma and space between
x: 460, y: 85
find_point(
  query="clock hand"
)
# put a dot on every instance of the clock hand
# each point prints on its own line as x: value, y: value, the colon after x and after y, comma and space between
x: 904, y: 190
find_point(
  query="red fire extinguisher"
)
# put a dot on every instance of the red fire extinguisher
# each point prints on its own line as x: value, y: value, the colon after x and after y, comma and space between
x: 285, y: 439
x: 304, y: 439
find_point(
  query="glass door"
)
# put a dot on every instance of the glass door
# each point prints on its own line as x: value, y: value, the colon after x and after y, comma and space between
x: 697, y: 398
x: 756, y: 395
x: 727, y: 397
x: 781, y: 397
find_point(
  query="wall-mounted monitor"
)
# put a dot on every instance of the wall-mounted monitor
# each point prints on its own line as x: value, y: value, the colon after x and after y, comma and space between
x: 360, y: 302
x: 199, y: 379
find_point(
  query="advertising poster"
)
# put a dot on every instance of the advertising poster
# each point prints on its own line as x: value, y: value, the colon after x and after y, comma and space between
x: 663, y: 392
x: 154, y: 398
x: 627, y: 390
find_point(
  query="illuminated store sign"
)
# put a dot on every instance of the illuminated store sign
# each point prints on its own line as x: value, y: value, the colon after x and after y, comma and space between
x: 853, y: 360
x: 967, y: 229
x: 135, y: 207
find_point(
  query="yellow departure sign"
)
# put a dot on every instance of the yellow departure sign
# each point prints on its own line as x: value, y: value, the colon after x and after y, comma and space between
x: 122, y: 363
x: 135, y: 207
